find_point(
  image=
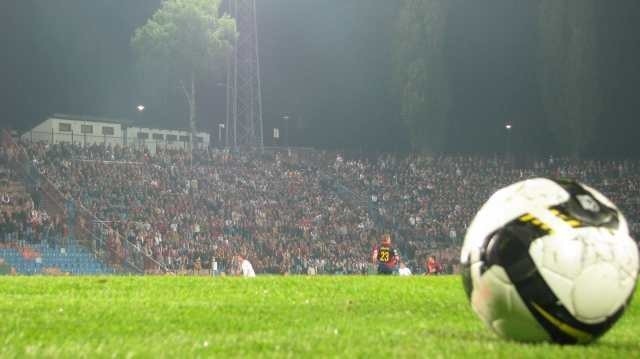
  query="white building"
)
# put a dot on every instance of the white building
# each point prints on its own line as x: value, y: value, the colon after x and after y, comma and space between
x: 163, y: 138
x: 88, y: 130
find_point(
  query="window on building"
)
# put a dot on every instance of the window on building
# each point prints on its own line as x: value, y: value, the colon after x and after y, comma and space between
x: 158, y: 136
x: 172, y: 138
x: 143, y: 135
x: 64, y: 127
x: 107, y: 131
x: 86, y: 128
x: 184, y: 138
x: 199, y: 139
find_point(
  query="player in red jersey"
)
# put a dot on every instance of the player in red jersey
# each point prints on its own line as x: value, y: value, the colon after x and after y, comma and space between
x: 385, y: 256
x: 432, y: 266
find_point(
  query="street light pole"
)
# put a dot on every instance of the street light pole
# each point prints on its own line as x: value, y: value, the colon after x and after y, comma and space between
x: 286, y: 129
x: 140, y: 109
x: 508, y: 127
x: 220, y: 127
x: 227, y: 111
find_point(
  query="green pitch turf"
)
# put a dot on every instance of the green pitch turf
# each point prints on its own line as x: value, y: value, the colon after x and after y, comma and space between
x: 364, y: 317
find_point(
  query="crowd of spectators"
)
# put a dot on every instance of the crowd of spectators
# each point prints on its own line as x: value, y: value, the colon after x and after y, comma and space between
x: 284, y: 210
x: 431, y: 200
x: 270, y: 207
x: 23, y: 220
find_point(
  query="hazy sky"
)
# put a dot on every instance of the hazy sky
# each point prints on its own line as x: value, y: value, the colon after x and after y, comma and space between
x: 325, y: 63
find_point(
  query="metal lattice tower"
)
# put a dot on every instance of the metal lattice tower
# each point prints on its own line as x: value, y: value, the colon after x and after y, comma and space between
x: 244, y: 95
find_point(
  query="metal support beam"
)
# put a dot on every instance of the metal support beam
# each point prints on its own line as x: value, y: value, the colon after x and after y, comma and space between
x: 244, y: 85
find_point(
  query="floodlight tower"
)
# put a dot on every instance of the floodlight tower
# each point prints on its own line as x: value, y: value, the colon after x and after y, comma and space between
x: 244, y: 76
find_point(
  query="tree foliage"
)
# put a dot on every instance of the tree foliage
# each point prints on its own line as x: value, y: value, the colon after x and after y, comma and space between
x: 420, y: 71
x: 568, y: 76
x: 185, y: 41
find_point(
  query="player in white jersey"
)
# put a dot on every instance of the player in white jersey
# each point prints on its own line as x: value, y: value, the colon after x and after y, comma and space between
x: 246, y: 267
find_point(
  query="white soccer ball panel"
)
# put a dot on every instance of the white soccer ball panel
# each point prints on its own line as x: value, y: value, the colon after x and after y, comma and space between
x: 626, y: 255
x: 599, y: 245
x: 561, y: 255
x: 490, y: 294
x: 509, y: 203
x: 599, y: 291
x: 498, y: 304
x: 562, y: 260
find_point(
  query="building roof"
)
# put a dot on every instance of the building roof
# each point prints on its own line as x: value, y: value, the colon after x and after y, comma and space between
x: 116, y: 121
x: 86, y: 118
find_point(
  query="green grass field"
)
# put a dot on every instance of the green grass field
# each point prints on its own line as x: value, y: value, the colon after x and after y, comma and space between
x: 265, y: 317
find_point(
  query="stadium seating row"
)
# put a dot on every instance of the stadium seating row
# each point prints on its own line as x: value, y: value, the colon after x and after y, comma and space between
x: 72, y: 259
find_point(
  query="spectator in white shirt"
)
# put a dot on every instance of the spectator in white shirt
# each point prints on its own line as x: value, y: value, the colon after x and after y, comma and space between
x: 246, y: 267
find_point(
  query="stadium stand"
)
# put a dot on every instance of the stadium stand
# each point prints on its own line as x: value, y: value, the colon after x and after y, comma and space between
x: 31, y: 240
x: 293, y: 211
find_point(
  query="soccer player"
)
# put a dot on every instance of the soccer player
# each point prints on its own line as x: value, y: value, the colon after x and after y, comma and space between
x: 247, y: 268
x: 432, y: 266
x: 385, y: 256
x: 403, y: 270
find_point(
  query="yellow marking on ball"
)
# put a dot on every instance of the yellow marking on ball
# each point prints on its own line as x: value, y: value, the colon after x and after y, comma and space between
x: 574, y: 223
x: 580, y: 335
x: 527, y: 217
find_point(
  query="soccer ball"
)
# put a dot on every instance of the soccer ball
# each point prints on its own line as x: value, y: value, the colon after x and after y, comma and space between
x: 548, y: 260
